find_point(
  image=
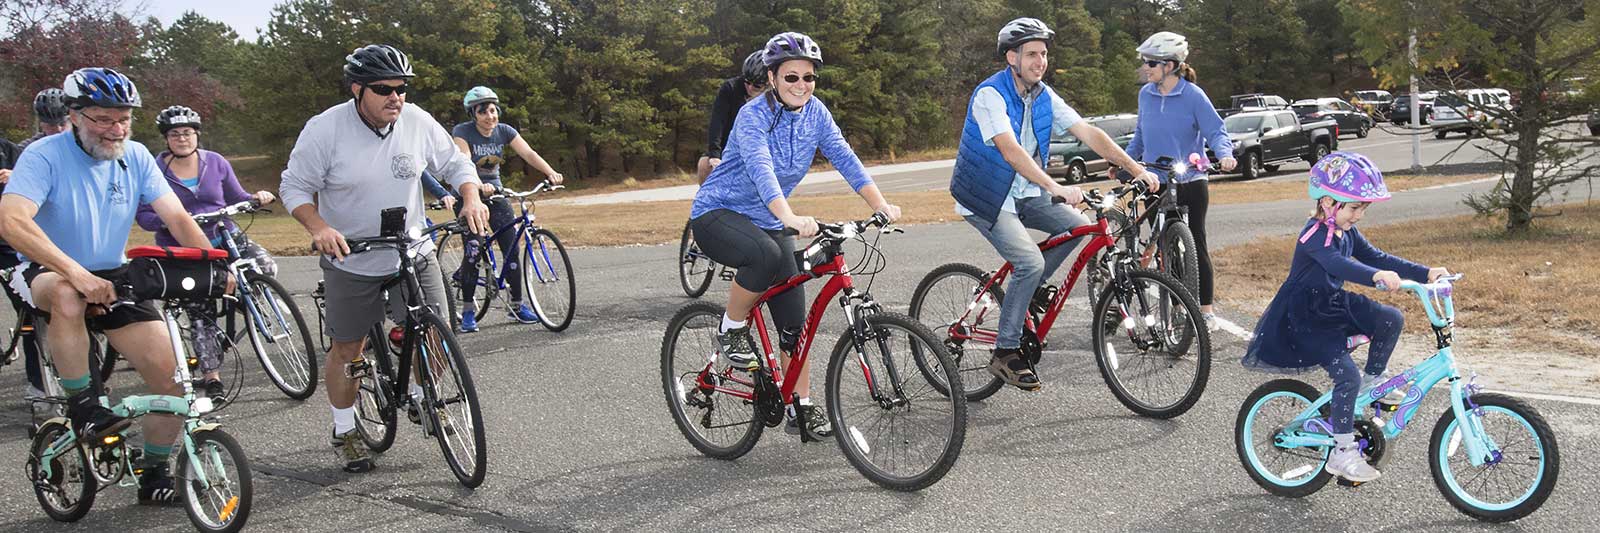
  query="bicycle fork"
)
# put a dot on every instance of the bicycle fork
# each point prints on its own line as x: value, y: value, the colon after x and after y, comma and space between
x: 857, y: 307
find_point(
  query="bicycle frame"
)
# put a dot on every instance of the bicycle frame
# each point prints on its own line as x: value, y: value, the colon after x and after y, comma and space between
x: 413, y: 297
x: 1307, y: 430
x: 524, y: 227
x: 1099, y: 240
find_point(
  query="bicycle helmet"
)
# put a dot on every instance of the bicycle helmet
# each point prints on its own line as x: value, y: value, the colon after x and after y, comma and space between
x: 478, y: 95
x: 99, y: 87
x: 790, y: 45
x: 177, y: 117
x: 1165, y: 45
x: 1020, y: 31
x: 1346, y: 177
x: 50, y: 105
x: 375, y: 62
x: 754, y: 71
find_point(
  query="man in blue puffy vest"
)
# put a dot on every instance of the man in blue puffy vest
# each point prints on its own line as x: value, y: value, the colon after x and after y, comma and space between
x: 1000, y: 185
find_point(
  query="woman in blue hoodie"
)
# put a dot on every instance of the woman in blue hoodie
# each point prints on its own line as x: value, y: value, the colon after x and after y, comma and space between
x: 1176, y: 119
x: 742, y: 208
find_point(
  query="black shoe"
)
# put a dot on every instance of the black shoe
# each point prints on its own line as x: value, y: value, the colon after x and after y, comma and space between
x: 1009, y: 365
x: 156, y: 486
x: 738, y: 348
x: 217, y: 392
x: 91, y: 421
x: 815, y: 421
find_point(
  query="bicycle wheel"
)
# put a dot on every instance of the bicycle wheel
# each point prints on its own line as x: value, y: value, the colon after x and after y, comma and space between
x: 695, y: 269
x: 718, y: 424
x: 217, y: 493
x: 451, y: 401
x: 1178, y: 257
x: 67, y: 491
x: 940, y: 301
x: 376, y: 411
x: 1522, y: 468
x: 279, y: 335
x: 1263, y: 419
x: 1143, y: 358
x: 547, y: 273
x: 448, y: 255
x: 896, y: 427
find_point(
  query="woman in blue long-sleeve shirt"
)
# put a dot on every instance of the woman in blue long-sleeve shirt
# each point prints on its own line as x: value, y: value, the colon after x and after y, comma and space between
x: 741, y: 210
x: 1176, y: 119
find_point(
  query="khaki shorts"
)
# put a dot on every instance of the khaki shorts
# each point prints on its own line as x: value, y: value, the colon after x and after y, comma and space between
x: 355, y: 302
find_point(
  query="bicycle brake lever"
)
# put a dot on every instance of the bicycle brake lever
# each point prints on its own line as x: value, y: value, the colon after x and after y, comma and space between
x: 891, y: 230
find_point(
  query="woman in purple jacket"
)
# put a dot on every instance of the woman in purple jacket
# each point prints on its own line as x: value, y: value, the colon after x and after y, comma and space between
x: 204, y: 181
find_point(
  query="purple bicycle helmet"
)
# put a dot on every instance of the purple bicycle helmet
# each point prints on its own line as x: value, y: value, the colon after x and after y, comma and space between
x: 790, y: 45
x: 1346, y: 177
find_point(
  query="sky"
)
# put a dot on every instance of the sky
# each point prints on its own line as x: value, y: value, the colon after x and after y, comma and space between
x: 245, y: 16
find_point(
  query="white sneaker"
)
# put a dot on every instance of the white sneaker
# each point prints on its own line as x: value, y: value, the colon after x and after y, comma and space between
x: 1347, y: 463
x: 1211, y: 321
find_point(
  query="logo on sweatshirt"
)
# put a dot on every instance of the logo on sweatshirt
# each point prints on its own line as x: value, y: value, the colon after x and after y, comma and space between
x: 404, y: 167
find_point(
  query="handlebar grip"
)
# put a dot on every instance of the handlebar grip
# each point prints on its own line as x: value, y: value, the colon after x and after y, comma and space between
x: 790, y: 232
x: 1057, y: 200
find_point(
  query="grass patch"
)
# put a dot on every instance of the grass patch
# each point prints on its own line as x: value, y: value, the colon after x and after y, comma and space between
x: 1538, y: 288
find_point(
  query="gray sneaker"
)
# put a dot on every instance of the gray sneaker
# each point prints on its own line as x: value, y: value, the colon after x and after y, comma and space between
x: 353, y: 452
x: 738, y: 348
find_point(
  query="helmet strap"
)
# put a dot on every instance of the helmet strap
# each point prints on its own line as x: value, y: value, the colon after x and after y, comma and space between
x: 382, y: 133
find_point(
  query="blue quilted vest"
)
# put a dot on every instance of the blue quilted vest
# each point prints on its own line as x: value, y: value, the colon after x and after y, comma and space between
x: 982, y: 177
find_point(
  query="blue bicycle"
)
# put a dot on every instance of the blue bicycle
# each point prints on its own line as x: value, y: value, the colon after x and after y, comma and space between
x: 543, y: 270
x: 1492, y: 456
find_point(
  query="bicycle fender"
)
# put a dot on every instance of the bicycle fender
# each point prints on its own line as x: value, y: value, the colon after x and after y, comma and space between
x: 208, y: 426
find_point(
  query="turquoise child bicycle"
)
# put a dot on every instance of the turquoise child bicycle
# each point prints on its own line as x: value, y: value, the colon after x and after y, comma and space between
x: 1492, y: 456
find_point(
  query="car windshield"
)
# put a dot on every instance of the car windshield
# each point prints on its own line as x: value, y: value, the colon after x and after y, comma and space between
x: 1305, y: 109
x: 1242, y: 124
x: 1450, y: 100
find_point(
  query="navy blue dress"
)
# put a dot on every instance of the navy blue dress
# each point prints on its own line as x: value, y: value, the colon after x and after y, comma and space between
x: 1309, y: 320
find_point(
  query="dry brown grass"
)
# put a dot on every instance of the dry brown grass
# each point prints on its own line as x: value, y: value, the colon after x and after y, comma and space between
x: 1537, y: 288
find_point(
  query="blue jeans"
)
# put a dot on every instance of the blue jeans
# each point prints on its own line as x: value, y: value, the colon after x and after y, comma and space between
x: 1011, y: 239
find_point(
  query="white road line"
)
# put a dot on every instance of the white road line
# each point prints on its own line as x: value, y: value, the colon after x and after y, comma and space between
x: 1457, y: 184
x: 1230, y: 327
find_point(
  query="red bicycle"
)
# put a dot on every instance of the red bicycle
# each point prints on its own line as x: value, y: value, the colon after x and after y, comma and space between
x: 886, y: 381
x: 1152, y: 350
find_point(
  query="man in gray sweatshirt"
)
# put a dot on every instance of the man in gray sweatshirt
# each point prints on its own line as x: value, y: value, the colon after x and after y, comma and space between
x: 350, y: 163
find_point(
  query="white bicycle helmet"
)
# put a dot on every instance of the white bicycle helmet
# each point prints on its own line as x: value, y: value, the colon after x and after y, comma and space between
x: 1165, y: 45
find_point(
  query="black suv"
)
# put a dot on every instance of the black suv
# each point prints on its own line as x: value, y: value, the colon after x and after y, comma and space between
x: 1402, y: 109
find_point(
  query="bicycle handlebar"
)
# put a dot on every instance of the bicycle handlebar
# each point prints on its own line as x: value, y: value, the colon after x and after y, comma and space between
x: 543, y: 186
x: 247, y: 206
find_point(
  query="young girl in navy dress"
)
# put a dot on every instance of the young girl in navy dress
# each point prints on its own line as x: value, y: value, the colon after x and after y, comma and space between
x: 1314, y: 322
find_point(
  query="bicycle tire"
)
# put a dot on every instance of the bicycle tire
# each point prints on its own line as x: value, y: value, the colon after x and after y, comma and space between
x: 978, y: 383
x: 296, y: 373
x: 470, y: 461
x: 376, y: 407
x: 1446, y: 455
x: 553, y: 289
x: 230, y: 515
x: 909, y: 399
x: 62, y: 510
x: 689, y: 255
x: 1293, y: 472
x: 448, y: 256
x: 1177, y: 243
x: 699, y: 320
x: 1111, y: 363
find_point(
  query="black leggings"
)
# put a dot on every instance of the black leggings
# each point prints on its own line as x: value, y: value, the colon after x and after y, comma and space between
x: 763, y: 258
x: 500, y: 215
x: 1196, y: 195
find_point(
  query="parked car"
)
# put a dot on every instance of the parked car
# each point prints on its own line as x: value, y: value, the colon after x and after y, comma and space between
x: 1240, y: 103
x: 1377, y: 103
x: 1469, y: 111
x: 1263, y: 140
x: 1594, y: 123
x: 1402, y: 108
x: 1071, y: 161
x: 1350, y: 119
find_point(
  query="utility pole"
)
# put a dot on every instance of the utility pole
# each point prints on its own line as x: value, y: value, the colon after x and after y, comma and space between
x: 1416, y: 106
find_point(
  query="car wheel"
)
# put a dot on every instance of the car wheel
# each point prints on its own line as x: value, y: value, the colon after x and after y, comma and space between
x: 1361, y: 133
x: 1318, y: 151
x: 1076, y: 173
x: 1594, y: 130
x: 1440, y: 134
x: 1252, y: 166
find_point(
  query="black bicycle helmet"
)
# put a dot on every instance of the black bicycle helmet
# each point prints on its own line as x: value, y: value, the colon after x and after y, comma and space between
x: 790, y: 45
x: 754, y: 71
x: 50, y: 105
x: 1020, y: 31
x: 375, y: 62
x: 177, y: 117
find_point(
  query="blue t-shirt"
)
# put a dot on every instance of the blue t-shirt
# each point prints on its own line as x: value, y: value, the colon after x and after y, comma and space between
x: 487, y: 152
x: 86, y: 206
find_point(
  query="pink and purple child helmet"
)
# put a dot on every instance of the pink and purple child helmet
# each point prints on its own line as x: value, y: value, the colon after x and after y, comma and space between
x: 1346, y: 177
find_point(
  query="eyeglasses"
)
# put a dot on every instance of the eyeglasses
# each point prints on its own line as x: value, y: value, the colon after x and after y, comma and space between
x: 125, y: 122
x: 182, y: 134
x: 386, y: 90
x: 795, y: 78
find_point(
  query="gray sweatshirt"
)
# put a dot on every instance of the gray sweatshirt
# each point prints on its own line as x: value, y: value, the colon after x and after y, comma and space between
x: 352, y: 175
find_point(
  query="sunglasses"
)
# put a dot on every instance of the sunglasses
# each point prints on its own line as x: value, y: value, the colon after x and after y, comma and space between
x: 1152, y: 63
x: 795, y: 78
x: 386, y: 90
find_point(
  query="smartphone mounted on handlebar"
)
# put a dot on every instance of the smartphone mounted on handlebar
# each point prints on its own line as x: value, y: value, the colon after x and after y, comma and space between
x: 393, y: 221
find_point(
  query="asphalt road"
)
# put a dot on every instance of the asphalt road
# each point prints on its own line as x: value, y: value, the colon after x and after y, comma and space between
x: 580, y: 438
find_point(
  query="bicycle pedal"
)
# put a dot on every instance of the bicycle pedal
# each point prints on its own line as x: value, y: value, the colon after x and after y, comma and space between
x: 357, y: 369
x: 726, y: 275
x: 1352, y: 484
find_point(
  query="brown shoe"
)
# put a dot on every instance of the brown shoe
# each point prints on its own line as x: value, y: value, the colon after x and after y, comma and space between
x: 1009, y: 365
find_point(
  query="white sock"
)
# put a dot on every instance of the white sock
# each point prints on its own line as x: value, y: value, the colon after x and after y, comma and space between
x: 344, y: 420
x: 806, y: 400
x: 728, y: 323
